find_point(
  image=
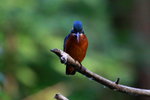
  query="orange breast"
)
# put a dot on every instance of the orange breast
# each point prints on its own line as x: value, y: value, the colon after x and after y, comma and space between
x: 77, y: 49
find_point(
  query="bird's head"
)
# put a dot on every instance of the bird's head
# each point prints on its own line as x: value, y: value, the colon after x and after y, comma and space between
x: 77, y: 29
x: 77, y: 26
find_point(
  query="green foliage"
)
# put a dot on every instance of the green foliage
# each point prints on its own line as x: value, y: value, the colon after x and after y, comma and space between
x: 29, y: 28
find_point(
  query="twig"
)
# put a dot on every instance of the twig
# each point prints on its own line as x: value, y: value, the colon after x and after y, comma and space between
x: 65, y: 58
x: 117, y: 81
x: 60, y: 97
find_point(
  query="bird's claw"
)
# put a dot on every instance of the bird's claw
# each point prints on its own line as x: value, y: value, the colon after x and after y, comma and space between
x: 63, y: 59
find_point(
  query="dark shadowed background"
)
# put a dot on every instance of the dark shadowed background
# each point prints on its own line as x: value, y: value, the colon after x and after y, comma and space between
x: 119, y: 46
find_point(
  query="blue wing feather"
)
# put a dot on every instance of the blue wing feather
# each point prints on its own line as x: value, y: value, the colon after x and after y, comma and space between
x: 66, y: 40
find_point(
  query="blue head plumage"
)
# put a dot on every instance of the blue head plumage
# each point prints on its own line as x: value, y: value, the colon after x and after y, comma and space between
x: 77, y: 26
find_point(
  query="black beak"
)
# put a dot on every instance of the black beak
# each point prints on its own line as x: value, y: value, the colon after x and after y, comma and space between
x: 78, y: 36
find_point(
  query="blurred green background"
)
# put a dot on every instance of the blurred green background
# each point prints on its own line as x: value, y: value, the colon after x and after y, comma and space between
x: 119, y: 46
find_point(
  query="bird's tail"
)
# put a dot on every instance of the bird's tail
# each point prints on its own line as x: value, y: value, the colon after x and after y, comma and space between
x: 70, y: 70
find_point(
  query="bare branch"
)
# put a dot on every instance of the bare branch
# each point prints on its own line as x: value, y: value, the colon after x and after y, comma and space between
x: 60, y: 97
x: 66, y: 59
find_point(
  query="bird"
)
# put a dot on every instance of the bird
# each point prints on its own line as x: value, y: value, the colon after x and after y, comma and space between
x: 75, y: 44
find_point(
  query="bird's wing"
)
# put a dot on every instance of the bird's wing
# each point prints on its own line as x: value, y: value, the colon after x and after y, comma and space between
x: 65, y: 40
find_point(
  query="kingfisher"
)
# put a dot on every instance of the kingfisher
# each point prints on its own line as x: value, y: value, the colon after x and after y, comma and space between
x: 75, y: 44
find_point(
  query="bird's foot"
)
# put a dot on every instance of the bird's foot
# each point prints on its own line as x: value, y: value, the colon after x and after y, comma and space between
x: 63, y: 59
